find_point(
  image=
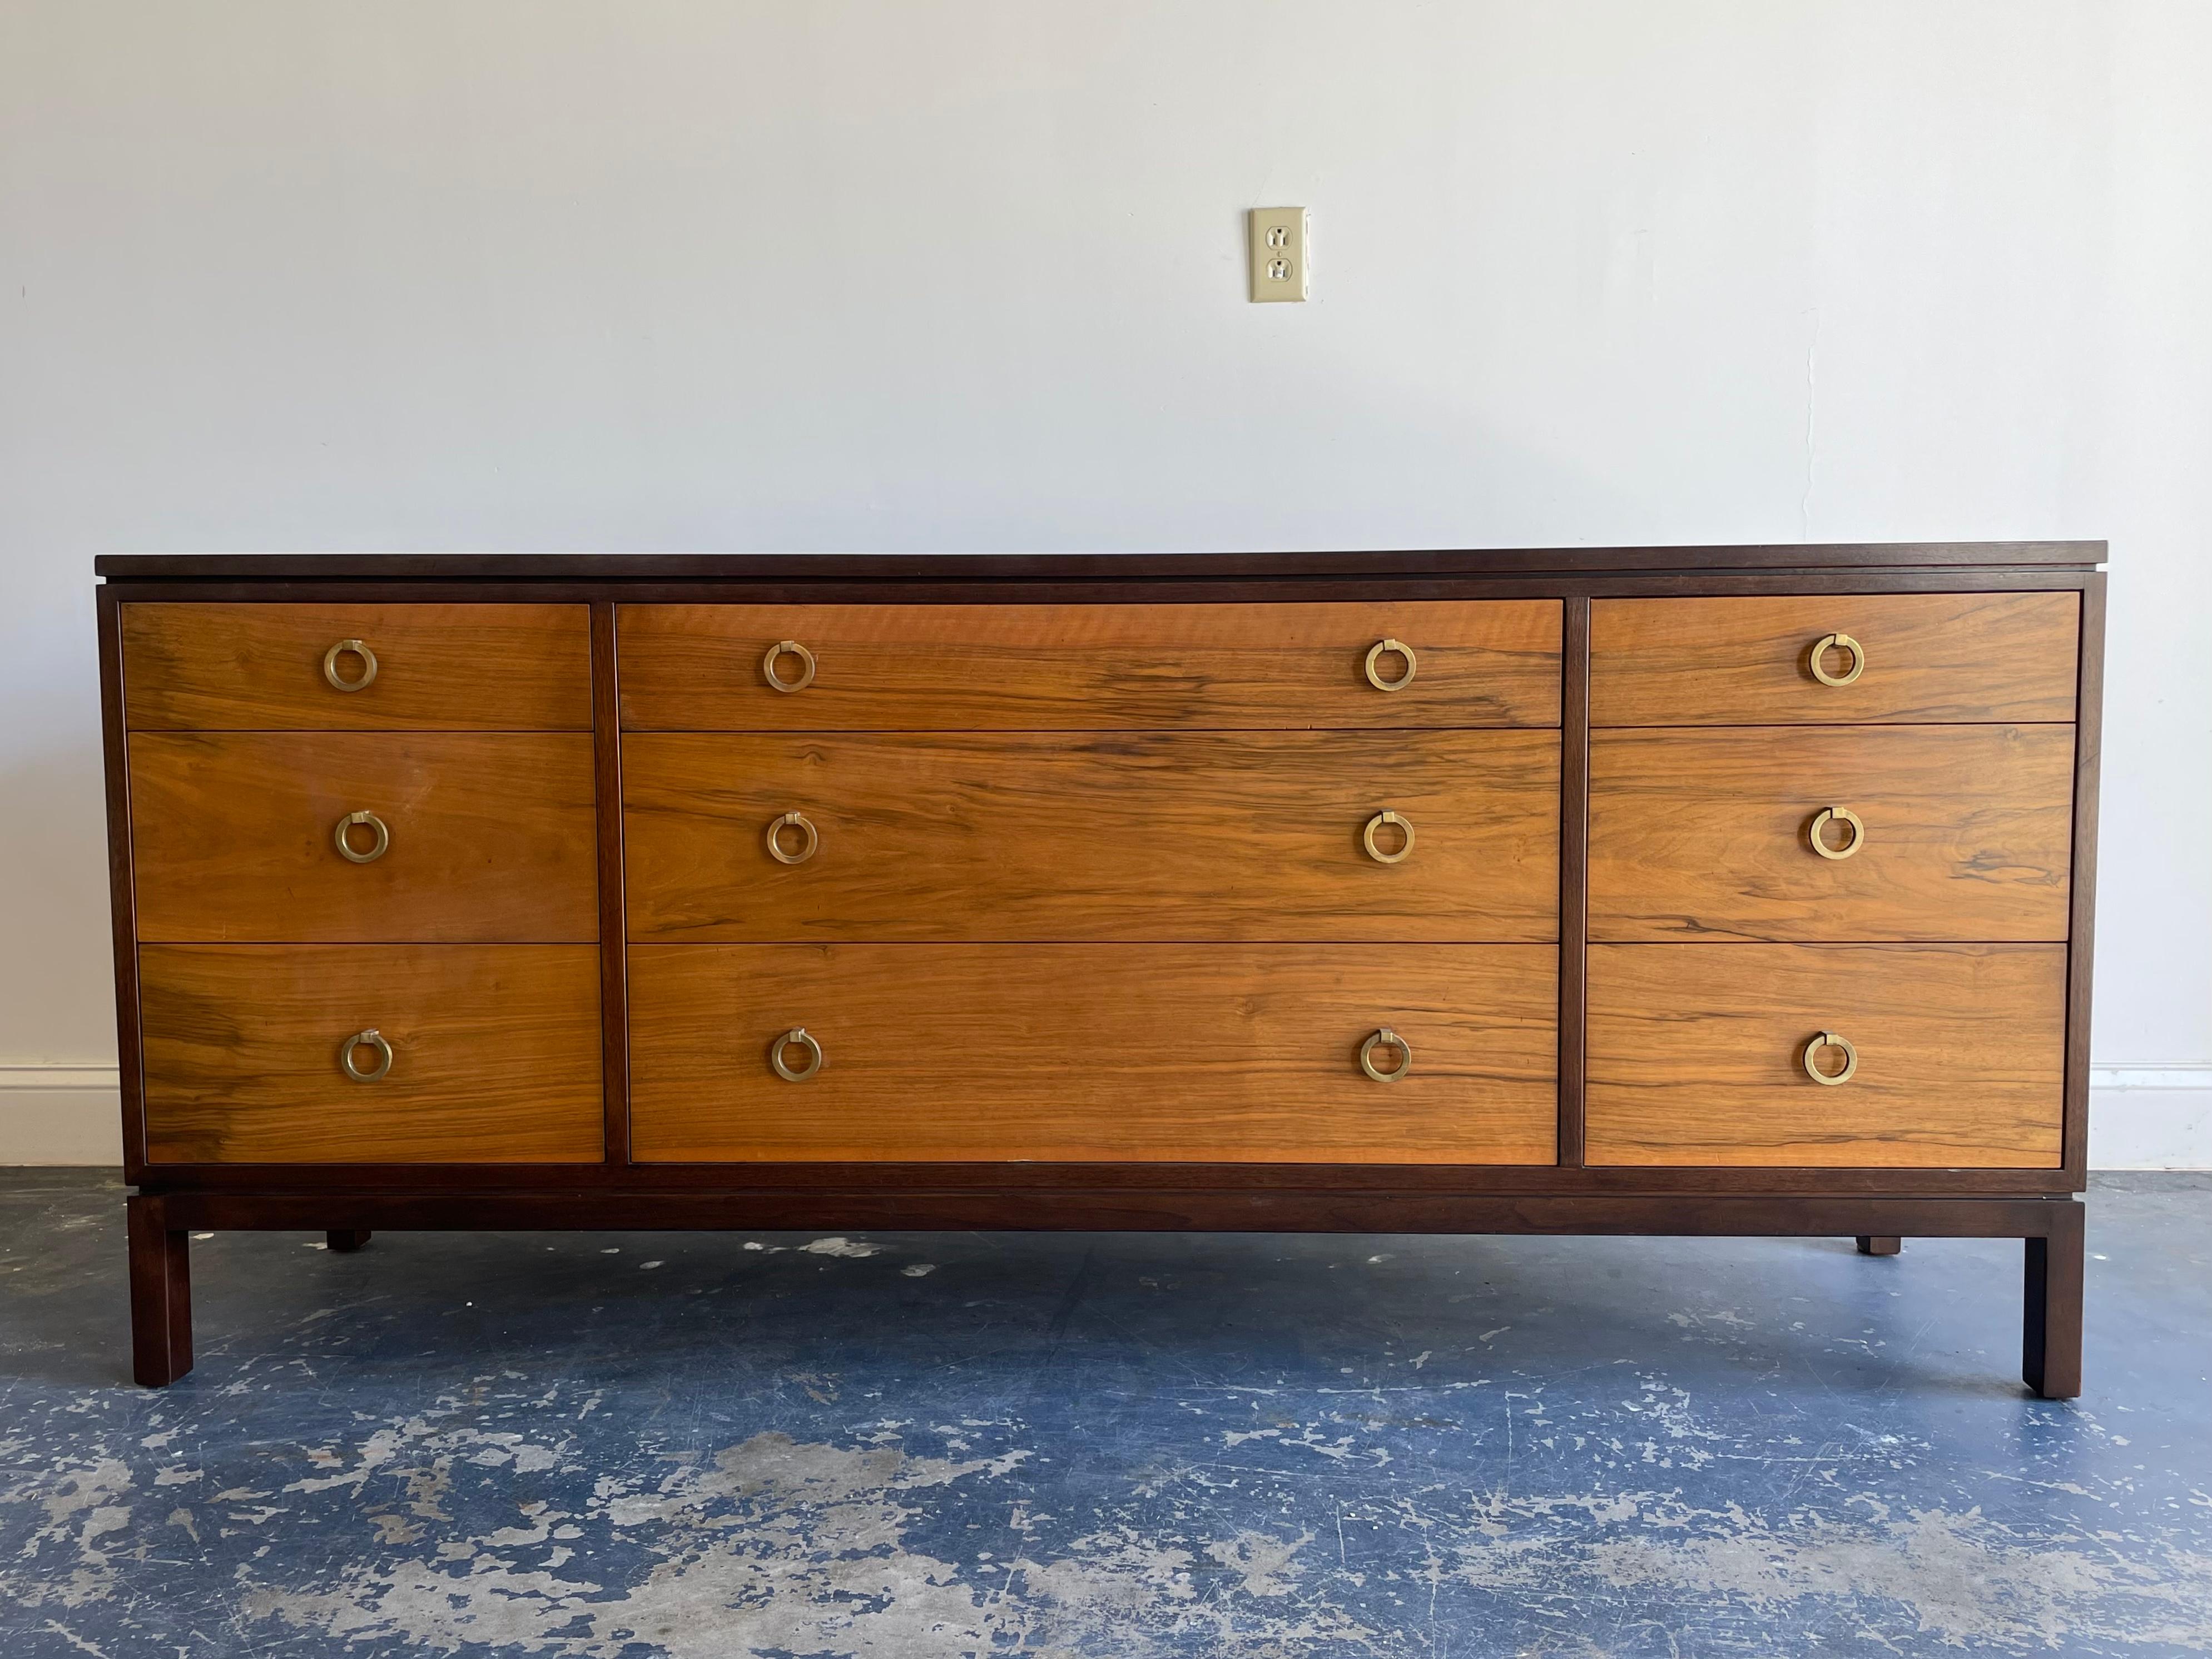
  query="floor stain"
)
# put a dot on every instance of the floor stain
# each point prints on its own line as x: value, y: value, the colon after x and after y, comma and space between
x: 932, y: 1447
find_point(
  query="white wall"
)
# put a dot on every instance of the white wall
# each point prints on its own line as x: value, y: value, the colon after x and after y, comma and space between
x: 918, y: 274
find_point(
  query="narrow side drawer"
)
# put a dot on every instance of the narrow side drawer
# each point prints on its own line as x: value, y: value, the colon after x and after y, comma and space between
x: 1934, y: 659
x: 1698, y: 1055
x: 483, y: 837
x: 437, y: 667
x: 494, y: 1053
x: 1925, y: 832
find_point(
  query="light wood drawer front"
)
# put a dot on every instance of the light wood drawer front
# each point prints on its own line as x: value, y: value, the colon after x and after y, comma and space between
x: 1964, y: 833
x: 485, y: 838
x: 494, y: 1053
x: 438, y: 667
x: 1697, y: 1055
x: 1089, y: 667
x: 1155, y: 1053
x: 1197, y: 835
x: 1928, y: 659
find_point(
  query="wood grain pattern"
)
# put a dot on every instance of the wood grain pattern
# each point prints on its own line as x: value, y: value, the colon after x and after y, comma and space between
x: 1704, y: 833
x: 1192, y: 836
x: 1089, y: 667
x: 1696, y: 1054
x: 1931, y: 658
x: 491, y: 836
x: 496, y: 1053
x: 1141, y: 1053
x: 440, y: 667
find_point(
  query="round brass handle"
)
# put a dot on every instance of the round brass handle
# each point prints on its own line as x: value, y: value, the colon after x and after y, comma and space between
x: 1386, y: 1038
x: 804, y: 825
x: 344, y: 841
x: 338, y: 682
x: 795, y: 1036
x: 1379, y: 648
x: 1367, y: 837
x: 1843, y: 815
x: 788, y: 648
x: 1842, y: 1046
x: 1828, y: 642
x: 372, y: 1038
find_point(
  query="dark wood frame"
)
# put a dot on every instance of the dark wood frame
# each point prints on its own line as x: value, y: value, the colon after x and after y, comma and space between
x: 1878, y: 1207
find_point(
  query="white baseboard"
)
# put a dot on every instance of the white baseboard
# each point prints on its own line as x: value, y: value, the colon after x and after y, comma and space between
x: 2150, y: 1117
x: 2140, y: 1117
x: 60, y: 1114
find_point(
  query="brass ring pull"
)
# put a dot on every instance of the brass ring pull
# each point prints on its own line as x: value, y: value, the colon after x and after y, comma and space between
x: 338, y: 682
x: 1843, y: 815
x: 788, y: 648
x: 797, y: 1035
x: 1367, y: 837
x: 1828, y: 642
x: 372, y: 1038
x: 1831, y: 1040
x: 1413, y: 665
x: 1385, y: 1038
x: 801, y: 823
x: 345, y: 844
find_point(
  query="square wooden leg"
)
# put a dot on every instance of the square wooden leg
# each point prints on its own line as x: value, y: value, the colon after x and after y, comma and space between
x: 2051, y: 1346
x: 161, y: 1294
x: 351, y: 1239
x: 1880, y: 1246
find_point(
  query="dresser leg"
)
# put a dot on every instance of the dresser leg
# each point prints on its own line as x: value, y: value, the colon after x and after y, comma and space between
x: 161, y: 1294
x: 1880, y: 1246
x: 2051, y: 1349
x: 351, y: 1239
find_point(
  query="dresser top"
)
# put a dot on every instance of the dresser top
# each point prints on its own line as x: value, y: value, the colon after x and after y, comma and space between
x: 925, y: 568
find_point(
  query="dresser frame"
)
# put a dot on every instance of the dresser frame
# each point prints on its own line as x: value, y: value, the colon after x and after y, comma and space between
x: 1879, y: 1206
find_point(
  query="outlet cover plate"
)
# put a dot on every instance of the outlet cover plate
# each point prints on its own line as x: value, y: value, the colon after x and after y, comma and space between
x: 1279, y: 253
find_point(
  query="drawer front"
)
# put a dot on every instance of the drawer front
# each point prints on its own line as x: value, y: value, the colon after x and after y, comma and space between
x: 1157, y: 1054
x: 437, y: 667
x: 1697, y: 1055
x: 235, y: 835
x: 1931, y: 659
x: 1954, y: 832
x: 1089, y: 667
x: 494, y: 1053
x: 1196, y: 835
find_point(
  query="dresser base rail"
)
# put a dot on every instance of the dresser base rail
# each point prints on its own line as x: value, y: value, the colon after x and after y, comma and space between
x: 2050, y: 1364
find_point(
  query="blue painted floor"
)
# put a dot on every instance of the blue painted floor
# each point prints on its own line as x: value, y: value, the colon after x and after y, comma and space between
x: 919, y: 1446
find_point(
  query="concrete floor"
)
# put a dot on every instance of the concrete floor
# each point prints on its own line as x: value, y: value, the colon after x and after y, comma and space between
x: 917, y: 1446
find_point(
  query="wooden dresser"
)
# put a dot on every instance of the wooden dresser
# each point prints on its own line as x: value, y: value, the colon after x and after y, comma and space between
x: 1723, y: 889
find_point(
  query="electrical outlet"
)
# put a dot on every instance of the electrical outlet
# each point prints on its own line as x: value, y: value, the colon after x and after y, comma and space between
x: 1279, y: 253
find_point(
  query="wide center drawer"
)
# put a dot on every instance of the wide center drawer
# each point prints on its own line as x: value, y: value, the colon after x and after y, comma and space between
x: 1151, y: 1053
x: 344, y: 1054
x: 1189, y: 836
x: 1089, y: 667
x: 364, y: 836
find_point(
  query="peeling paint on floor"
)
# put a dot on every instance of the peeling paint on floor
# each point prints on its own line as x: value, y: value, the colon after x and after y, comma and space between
x: 933, y: 1446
